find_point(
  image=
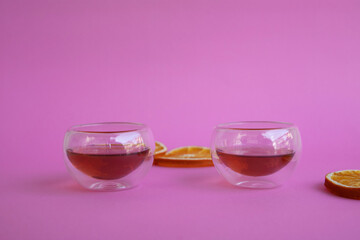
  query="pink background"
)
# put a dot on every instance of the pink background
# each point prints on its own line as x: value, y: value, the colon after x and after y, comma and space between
x: 181, y: 67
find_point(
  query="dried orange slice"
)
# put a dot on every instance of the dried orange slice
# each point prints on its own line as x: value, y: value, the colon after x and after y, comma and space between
x: 344, y: 183
x: 160, y: 149
x: 190, y: 156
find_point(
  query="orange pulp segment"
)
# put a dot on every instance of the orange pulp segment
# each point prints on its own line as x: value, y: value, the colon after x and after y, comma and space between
x: 160, y: 149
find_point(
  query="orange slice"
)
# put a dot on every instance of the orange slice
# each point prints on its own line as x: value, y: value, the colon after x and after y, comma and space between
x: 344, y: 183
x: 190, y: 156
x: 160, y: 149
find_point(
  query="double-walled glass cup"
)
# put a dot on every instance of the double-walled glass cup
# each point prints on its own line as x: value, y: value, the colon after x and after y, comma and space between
x: 256, y: 154
x: 109, y: 156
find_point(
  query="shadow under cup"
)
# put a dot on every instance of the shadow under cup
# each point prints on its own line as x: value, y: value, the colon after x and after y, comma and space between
x: 256, y: 154
x: 109, y: 156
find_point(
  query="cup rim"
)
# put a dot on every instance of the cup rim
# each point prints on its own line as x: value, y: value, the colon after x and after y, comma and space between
x: 254, y: 125
x: 77, y: 128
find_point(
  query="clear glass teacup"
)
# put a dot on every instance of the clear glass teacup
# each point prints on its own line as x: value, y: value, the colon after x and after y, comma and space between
x: 256, y: 154
x: 109, y: 156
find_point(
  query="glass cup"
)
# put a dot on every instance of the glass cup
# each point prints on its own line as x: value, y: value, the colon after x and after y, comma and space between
x: 256, y: 154
x: 109, y: 156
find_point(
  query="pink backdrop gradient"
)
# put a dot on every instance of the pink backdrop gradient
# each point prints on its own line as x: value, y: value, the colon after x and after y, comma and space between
x: 181, y: 67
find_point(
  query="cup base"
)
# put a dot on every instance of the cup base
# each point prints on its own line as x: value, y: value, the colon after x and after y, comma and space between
x: 257, y: 184
x: 108, y: 186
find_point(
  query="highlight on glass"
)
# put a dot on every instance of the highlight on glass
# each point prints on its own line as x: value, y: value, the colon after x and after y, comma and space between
x: 109, y: 156
x: 256, y: 154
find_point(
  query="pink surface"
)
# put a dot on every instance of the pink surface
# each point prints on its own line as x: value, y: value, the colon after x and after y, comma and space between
x: 181, y: 67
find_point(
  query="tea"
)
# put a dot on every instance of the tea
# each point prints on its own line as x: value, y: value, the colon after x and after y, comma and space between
x: 255, y: 161
x: 106, y: 161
